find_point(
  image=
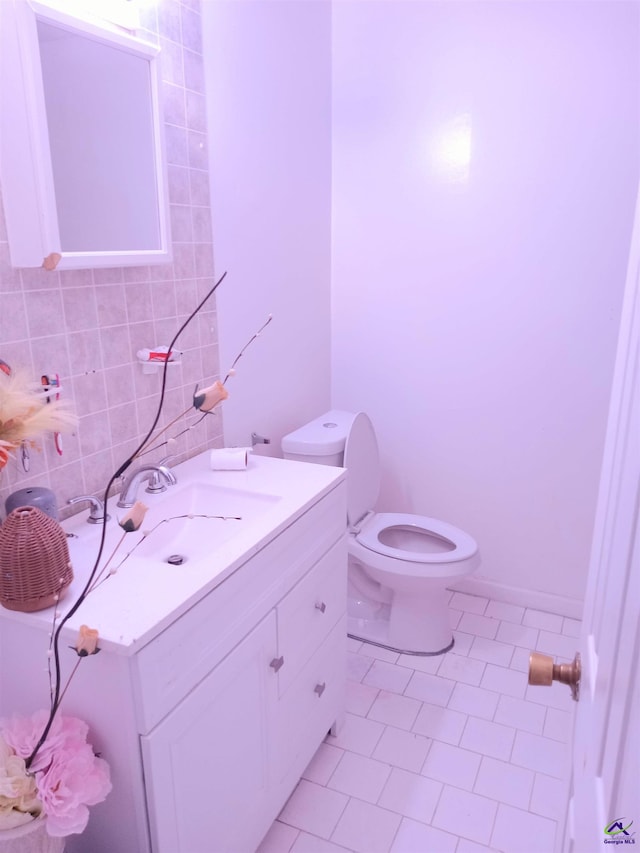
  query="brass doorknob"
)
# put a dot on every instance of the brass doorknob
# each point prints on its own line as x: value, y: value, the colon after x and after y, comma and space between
x: 543, y: 671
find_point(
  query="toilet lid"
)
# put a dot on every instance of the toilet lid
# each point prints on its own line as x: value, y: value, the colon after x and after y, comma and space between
x: 362, y: 462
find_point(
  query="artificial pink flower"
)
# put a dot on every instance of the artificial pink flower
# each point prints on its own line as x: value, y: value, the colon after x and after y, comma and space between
x: 69, y: 777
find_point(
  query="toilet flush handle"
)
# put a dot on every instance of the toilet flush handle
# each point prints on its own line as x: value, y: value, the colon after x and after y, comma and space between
x: 543, y: 671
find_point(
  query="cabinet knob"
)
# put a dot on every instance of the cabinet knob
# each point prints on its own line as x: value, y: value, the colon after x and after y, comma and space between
x: 319, y: 688
x: 276, y: 663
x: 321, y: 606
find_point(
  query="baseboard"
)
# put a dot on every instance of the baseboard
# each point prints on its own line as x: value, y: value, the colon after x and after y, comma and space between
x: 546, y: 601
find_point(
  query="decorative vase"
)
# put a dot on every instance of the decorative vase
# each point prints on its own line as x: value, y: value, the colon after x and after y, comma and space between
x: 30, y: 837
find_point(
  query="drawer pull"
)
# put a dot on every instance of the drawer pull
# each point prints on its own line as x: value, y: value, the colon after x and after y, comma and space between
x: 319, y: 688
x: 276, y: 663
x: 321, y: 606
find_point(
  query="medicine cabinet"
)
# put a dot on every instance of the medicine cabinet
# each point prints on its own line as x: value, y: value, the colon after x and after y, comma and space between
x: 82, y: 167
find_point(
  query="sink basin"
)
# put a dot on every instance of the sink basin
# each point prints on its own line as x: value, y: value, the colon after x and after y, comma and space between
x: 207, y: 499
x: 184, y: 537
x: 189, y: 523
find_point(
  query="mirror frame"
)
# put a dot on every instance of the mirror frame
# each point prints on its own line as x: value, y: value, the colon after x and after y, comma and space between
x: 26, y: 172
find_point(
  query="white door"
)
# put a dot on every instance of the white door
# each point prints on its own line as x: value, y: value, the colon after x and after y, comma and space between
x: 605, y: 804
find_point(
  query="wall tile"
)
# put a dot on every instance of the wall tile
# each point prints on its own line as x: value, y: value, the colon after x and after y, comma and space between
x: 88, y: 324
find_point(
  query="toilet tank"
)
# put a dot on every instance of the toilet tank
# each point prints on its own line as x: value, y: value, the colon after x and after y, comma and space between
x: 322, y: 440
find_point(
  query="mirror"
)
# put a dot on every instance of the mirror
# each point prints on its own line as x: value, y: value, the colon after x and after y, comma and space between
x: 81, y: 157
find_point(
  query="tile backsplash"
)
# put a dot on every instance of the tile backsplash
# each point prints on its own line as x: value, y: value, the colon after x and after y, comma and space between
x: 87, y: 325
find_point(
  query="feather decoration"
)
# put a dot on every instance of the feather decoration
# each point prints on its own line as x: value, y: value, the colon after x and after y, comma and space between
x: 25, y: 413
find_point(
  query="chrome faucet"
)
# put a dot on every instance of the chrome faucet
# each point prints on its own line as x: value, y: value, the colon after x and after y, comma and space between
x: 159, y: 477
x: 97, y: 514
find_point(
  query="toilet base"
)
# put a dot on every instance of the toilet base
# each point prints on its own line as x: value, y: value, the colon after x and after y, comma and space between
x: 376, y: 632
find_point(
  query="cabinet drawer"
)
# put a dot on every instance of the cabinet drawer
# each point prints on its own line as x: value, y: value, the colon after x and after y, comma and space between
x: 310, y: 707
x: 309, y: 612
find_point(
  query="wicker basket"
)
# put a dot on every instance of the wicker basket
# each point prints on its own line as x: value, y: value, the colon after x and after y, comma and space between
x: 35, y: 570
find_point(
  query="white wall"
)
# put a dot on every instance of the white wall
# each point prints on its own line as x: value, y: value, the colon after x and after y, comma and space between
x: 268, y: 70
x: 475, y: 305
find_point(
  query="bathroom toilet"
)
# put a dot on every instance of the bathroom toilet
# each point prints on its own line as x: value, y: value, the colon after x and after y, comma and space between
x: 400, y: 564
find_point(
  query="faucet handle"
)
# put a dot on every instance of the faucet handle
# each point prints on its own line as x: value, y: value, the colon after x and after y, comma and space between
x: 97, y: 514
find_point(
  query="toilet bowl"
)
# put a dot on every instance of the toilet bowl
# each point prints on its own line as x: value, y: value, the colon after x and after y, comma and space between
x: 400, y: 564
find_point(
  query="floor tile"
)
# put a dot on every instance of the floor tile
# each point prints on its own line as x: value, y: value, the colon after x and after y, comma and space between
x: 504, y: 782
x: 422, y: 663
x: 452, y: 765
x: 468, y: 815
x: 470, y: 603
x: 506, y: 612
x: 545, y: 621
x: 453, y: 752
x: 387, y: 676
x: 541, y: 754
x: 440, y: 723
x: 571, y: 627
x: 518, y: 831
x: 306, y: 843
x: 555, y: 696
x: 557, y: 644
x: 488, y: 738
x: 411, y: 795
x: 379, y: 653
x: 461, y: 668
x: 360, y: 697
x: 504, y: 680
x: 466, y: 846
x: 414, y: 836
x: 474, y: 700
x: 402, y: 749
x: 279, y: 839
x: 323, y: 763
x: 481, y: 626
x: 430, y: 688
x: 550, y: 797
x: 491, y: 651
x: 462, y: 644
x: 366, y: 828
x: 314, y: 808
x: 358, y: 734
x: 395, y: 710
x: 520, y: 660
x: 360, y: 777
x: 357, y: 666
x: 558, y: 725
x: 518, y: 635
x: 520, y: 714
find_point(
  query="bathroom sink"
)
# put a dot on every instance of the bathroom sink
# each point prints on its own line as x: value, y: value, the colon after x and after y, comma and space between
x: 193, y: 537
x: 188, y: 523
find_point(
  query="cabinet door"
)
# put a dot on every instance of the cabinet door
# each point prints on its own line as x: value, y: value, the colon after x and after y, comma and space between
x: 206, y: 763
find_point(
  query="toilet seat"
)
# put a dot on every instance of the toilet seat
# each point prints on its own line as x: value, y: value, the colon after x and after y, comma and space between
x: 363, y: 466
x: 365, y: 545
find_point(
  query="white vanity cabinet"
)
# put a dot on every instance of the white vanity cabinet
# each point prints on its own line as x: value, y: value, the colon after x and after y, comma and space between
x: 209, y: 724
x: 220, y: 766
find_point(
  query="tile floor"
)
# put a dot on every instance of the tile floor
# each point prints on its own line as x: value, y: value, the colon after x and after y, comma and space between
x: 451, y: 753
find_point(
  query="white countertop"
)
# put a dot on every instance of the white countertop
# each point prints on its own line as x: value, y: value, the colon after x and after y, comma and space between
x: 147, y: 593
